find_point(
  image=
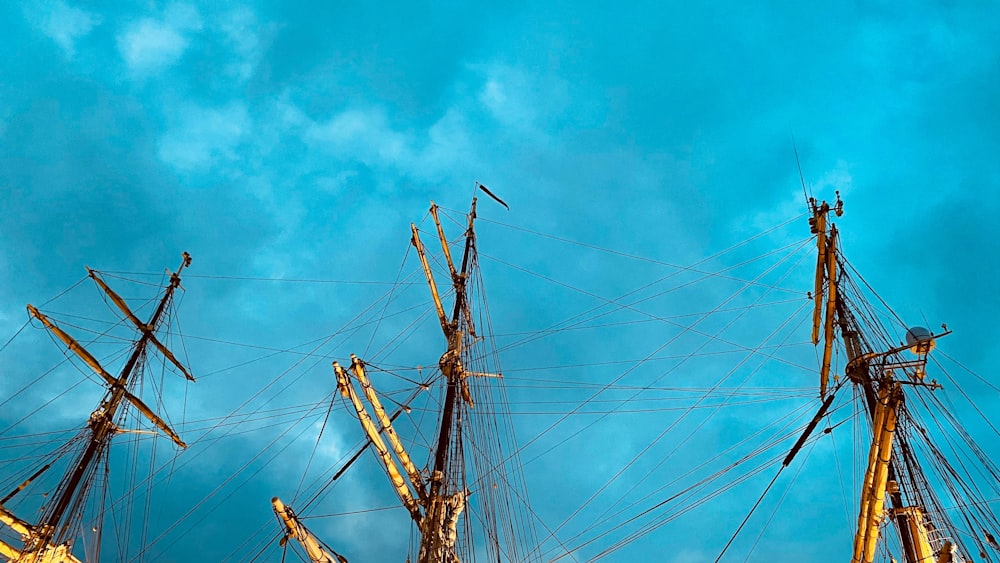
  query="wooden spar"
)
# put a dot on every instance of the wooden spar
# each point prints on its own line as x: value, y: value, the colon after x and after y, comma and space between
x: 148, y: 329
x: 117, y: 300
x: 73, y: 345
x: 296, y: 530
x: 458, y: 282
x: 444, y: 241
x: 825, y: 285
x: 50, y: 554
x: 878, y: 421
x: 9, y: 551
x: 445, y: 326
x: 470, y: 238
x: 831, y: 305
x: 398, y: 483
x: 154, y: 418
x: 873, y: 490
x: 14, y: 523
x: 397, y: 445
x: 818, y: 222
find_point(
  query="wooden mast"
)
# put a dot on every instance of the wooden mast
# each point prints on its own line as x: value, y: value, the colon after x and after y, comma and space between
x: 874, y: 372
x: 50, y: 540
x: 443, y: 506
x: 431, y: 500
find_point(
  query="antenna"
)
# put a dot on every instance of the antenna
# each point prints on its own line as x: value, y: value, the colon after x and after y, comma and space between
x: 802, y: 178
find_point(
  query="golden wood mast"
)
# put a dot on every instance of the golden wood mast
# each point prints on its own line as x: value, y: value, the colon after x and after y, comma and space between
x: 435, y: 500
x: 890, y: 491
x: 51, y: 539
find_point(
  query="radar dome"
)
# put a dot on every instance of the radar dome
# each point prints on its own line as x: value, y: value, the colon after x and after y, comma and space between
x: 920, y: 340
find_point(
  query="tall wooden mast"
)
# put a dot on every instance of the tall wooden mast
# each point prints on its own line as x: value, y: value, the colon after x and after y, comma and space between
x: 434, y: 499
x: 877, y: 375
x: 445, y: 500
x: 50, y: 540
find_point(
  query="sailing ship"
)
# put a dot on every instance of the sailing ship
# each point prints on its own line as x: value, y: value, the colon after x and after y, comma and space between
x: 460, y: 466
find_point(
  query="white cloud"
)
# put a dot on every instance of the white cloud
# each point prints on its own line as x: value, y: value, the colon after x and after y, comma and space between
x: 65, y: 24
x: 150, y: 45
x: 450, y: 144
x: 240, y: 30
x: 507, y: 95
x: 446, y: 150
x: 289, y: 115
x: 205, y: 136
x: 365, y: 135
x: 513, y: 105
x: 521, y: 101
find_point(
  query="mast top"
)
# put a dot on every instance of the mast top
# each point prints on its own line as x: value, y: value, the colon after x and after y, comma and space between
x: 823, y: 207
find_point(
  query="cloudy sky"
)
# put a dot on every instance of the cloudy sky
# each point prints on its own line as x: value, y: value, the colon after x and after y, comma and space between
x: 297, y: 141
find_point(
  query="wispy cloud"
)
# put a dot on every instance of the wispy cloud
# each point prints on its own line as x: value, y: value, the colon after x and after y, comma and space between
x: 205, y: 136
x: 363, y: 134
x: 153, y: 44
x: 513, y: 98
x: 240, y: 30
x: 64, y: 24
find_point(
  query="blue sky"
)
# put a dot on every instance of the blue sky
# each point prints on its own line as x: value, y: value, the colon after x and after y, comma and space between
x: 297, y: 141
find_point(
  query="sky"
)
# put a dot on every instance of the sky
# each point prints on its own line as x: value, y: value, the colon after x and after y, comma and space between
x: 298, y: 140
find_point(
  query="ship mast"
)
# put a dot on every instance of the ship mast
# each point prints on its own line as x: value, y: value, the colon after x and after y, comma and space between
x: 50, y: 540
x: 444, y: 503
x: 875, y: 373
x: 435, y: 501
